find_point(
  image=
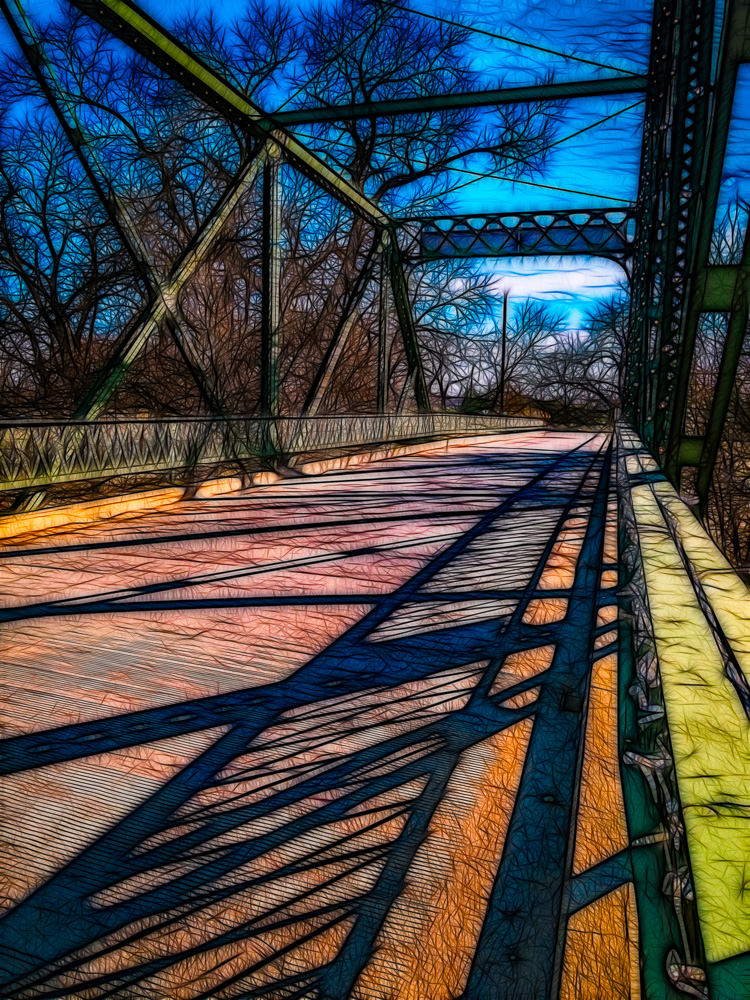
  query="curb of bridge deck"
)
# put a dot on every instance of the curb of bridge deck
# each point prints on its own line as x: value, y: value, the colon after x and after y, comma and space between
x: 72, y: 515
x: 697, y: 609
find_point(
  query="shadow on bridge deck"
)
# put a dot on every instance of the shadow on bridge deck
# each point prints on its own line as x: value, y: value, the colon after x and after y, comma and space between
x: 351, y: 736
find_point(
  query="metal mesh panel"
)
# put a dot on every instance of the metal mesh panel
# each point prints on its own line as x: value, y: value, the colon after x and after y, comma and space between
x: 41, y: 453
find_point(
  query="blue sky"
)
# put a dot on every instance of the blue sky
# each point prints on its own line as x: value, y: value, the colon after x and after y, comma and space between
x: 602, y: 162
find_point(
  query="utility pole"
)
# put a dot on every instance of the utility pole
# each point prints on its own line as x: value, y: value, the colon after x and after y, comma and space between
x: 506, y: 293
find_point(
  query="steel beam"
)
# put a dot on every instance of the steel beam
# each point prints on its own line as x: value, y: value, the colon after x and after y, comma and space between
x: 336, y: 346
x: 271, y: 288
x: 725, y: 380
x: 713, y: 287
x: 133, y: 340
x: 602, y: 232
x: 683, y: 164
x: 163, y: 295
x: 668, y: 204
x: 691, y: 449
x: 608, y: 87
x: 30, y: 44
x: 406, y: 324
x: 381, y: 399
x: 126, y: 21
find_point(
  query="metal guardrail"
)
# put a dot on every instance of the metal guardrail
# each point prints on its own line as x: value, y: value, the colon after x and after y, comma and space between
x: 42, y: 453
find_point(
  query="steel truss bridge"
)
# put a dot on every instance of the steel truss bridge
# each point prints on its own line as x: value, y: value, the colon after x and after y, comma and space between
x: 469, y: 721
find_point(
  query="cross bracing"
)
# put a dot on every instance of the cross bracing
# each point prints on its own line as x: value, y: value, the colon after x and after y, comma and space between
x: 267, y: 144
x: 601, y: 232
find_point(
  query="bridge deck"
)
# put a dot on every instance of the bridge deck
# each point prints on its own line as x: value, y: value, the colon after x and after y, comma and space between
x: 344, y: 736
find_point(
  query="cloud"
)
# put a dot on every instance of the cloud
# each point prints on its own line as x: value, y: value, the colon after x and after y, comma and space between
x: 566, y: 279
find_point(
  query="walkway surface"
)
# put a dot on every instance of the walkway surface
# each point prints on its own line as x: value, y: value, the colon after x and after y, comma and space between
x: 352, y: 735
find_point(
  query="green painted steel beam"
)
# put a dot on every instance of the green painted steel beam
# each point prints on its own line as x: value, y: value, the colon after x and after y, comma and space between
x: 682, y: 167
x: 726, y: 377
x: 142, y: 33
x: 607, y: 87
x: 717, y: 293
x: 658, y: 926
x: 381, y: 391
x: 271, y: 288
x: 709, y: 290
x: 735, y: 51
x: 133, y: 340
x: 698, y: 607
x: 406, y: 324
x: 670, y: 202
x: 691, y: 449
x: 163, y: 296
x: 596, y: 231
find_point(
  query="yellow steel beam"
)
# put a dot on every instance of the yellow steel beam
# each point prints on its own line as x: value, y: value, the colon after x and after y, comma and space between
x: 709, y: 730
x: 134, y: 26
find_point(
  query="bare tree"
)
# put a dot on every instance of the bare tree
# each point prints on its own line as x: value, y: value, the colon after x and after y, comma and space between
x: 355, y: 51
x: 727, y: 236
x: 532, y: 331
x: 68, y: 284
x: 63, y: 275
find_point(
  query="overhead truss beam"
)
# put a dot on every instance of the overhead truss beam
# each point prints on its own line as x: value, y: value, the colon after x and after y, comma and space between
x: 600, y: 232
x: 607, y: 87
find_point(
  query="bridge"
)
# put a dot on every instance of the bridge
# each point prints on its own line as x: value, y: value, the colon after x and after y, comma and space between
x: 407, y: 702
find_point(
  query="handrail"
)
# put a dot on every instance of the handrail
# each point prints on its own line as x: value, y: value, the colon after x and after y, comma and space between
x: 37, y: 452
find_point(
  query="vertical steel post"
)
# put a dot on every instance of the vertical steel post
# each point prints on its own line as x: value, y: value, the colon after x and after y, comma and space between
x: 506, y: 293
x: 382, y: 387
x: 734, y: 50
x: 669, y: 209
x: 408, y: 328
x: 270, y: 285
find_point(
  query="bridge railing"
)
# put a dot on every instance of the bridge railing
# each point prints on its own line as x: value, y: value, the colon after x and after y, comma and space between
x: 41, y: 453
